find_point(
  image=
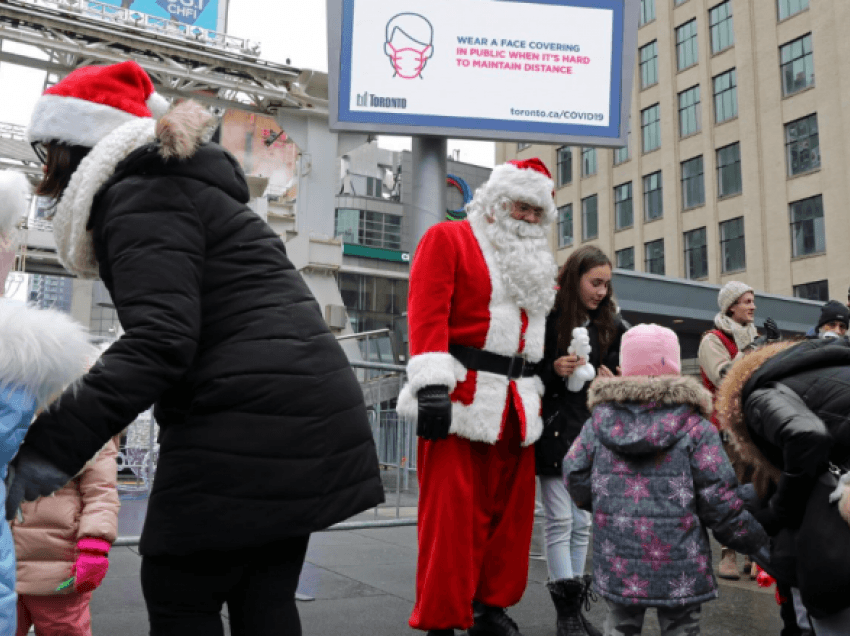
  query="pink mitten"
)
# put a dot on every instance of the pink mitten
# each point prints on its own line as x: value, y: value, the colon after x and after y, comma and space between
x: 91, y: 564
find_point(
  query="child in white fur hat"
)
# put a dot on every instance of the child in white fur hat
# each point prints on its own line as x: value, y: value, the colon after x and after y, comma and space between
x: 651, y: 467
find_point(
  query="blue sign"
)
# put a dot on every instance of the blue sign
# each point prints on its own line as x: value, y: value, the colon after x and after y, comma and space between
x: 199, y: 13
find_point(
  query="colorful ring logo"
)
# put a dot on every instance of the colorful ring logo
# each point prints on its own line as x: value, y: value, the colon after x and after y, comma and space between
x: 465, y: 192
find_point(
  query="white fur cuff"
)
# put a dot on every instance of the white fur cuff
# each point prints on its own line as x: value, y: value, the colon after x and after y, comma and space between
x: 434, y: 368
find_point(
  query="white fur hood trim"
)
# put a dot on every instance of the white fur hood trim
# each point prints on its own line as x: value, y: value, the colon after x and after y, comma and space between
x: 41, y: 350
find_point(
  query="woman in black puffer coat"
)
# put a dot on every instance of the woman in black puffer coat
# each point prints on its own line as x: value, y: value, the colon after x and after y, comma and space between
x: 787, y: 410
x: 264, y: 433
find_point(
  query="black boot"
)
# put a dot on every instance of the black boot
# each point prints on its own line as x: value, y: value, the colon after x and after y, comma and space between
x: 492, y: 621
x: 440, y: 632
x: 568, y: 595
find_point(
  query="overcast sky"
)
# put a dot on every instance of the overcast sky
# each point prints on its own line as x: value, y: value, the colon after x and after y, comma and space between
x: 287, y: 29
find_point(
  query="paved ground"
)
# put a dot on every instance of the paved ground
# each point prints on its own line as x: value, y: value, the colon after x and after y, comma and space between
x: 362, y: 582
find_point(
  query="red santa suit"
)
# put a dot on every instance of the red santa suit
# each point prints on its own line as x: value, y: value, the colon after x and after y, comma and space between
x: 476, y: 503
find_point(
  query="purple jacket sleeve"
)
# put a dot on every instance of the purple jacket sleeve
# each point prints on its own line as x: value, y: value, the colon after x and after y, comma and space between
x: 719, y: 505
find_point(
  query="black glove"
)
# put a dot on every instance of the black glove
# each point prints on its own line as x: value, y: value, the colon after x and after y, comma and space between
x: 788, y: 505
x: 435, y: 412
x: 31, y: 475
x: 771, y: 331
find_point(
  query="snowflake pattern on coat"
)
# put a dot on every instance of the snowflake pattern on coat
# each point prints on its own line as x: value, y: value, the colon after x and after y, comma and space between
x: 658, y: 479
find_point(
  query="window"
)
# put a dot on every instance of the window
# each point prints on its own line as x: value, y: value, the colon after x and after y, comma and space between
x: 678, y: 2
x: 690, y: 112
x: 650, y: 127
x: 521, y: 145
x: 687, y: 53
x: 696, y: 254
x: 647, y: 11
x: 802, y: 145
x: 374, y: 229
x: 565, y: 166
x: 588, y: 162
x: 625, y: 259
x: 817, y: 290
x: 787, y: 8
x: 722, y: 31
x: 589, y: 218
x: 653, y: 207
x: 732, y: 254
x: 621, y: 155
x: 623, y: 215
x: 693, y: 188
x: 649, y: 64
x: 808, y: 235
x: 565, y: 225
x: 798, y: 65
x: 729, y: 170
x: 654, y: 257
x: 725, y: 96
x: 373, y: 302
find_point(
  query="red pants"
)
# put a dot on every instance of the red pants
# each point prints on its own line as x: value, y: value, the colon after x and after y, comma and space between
x: 61, y: 615
x: 476, y: 511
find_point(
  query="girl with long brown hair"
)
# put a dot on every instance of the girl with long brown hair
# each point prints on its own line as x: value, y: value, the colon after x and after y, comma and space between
x: 584, y: 299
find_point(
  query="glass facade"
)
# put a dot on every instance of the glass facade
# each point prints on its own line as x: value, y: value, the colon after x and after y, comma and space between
x: 588, y: 162
x: 621, y: 155
x: 732, y: 250
x: 722, y: 30
x: 648, y: 64
x: 565, y: 166
x: 565, y: 225
x: 654, y: 257
x: 725, y: 96
x: 802, y: 145
x: 653, y: 201
x: 625, y: 259
x: 816, y: 290
x: 808, y: 235
x: 687, y: 52
x: 729, y: 170
x: 373, y: 302
x: 373, y: 229
x: 690, y: 112
x: 798, y: 65
x: 787, y: 8
x: 647, y: 11
x: 693, y: 184
x: 589, y: 218
x: 696, y: 254
x: 650, y: 127
x: 623, y: 214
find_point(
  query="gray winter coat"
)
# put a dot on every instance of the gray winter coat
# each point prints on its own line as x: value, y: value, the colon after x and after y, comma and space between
x: 653, y: 470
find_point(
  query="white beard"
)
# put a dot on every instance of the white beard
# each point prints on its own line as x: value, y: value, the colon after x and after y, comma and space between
x: 524, y: 260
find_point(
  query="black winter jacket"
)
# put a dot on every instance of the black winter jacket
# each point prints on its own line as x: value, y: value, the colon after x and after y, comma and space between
x: 565, y: 412
x: 264, y: 432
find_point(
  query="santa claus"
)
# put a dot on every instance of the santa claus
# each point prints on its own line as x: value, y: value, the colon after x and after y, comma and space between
x: 480, y: 290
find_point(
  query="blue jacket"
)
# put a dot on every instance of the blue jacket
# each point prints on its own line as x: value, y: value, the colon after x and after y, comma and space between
x: 40, y: 353
x: 654, y: 472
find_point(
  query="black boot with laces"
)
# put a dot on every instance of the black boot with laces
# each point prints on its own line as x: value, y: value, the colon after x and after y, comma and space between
x: 492, y: 621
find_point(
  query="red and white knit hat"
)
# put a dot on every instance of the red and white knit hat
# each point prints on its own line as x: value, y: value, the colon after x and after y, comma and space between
x: 526, y: 180
x: 92, y: 101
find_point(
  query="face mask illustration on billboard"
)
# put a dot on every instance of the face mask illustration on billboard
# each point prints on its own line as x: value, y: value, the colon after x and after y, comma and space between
x: 409, y: 44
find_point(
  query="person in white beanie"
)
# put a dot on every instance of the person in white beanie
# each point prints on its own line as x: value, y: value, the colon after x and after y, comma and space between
x: 264, y: 435
x: 41, y: 351
x: 719, y: 348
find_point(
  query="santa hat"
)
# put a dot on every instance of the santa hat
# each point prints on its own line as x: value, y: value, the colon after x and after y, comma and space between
x: 730, y: 293
x: 528, y: 180
x: 92, y: 101
x: 650, y: 350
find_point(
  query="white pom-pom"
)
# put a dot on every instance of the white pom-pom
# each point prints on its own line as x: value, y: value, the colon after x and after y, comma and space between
x: 14, y: 198
x: 158, y: 105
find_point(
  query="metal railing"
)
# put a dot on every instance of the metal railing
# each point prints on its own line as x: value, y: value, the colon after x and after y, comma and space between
x: 153, y: 24
x: 395, y: 440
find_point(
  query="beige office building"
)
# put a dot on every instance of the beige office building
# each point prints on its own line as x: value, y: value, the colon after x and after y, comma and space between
x: 737, y: 165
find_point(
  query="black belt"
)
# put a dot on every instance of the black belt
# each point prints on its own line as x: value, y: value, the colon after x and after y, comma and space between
x: 480, y: 360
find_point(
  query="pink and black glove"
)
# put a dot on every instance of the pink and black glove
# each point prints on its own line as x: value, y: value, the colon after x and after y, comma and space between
x: 91, y: 564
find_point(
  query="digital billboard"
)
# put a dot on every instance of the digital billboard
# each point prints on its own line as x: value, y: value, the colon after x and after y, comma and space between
x: 205, y: 14
x: 525, y: 70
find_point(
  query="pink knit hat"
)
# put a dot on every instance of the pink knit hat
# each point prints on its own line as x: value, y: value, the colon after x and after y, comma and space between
x: 650, y: 350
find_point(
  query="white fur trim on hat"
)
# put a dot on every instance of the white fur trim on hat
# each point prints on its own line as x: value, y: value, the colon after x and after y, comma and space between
x: 731, y: 292
x: 73, y: 121
x: 523, y: 184
x: 42, y: 350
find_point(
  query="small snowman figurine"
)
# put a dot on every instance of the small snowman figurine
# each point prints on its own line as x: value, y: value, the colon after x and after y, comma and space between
x: 580, y: 346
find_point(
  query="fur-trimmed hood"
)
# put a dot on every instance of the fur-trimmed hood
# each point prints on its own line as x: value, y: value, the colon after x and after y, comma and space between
x: 643, y: 415
x: 41, y: 350
x: 175, y: 137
